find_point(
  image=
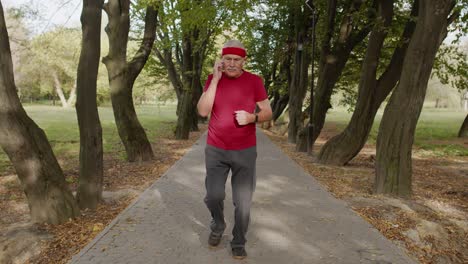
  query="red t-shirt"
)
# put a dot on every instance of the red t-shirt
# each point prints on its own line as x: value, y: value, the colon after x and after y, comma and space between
x: 232, y: 94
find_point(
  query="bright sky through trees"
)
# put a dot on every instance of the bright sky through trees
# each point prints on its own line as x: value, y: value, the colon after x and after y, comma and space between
x: 67, y: 13
x: 50, y: 13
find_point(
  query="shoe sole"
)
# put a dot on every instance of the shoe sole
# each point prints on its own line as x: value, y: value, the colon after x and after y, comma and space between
x: 239, y: 257
x: 213, y: 247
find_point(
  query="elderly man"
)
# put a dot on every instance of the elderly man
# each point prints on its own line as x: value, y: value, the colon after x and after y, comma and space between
x: 231, y: 95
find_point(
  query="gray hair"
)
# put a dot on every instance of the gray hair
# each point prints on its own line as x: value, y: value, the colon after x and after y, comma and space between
x: 233, y: 43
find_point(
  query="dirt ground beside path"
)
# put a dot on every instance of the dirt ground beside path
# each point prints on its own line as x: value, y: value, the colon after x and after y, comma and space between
x: 432, y: 225
x: 23, y: 242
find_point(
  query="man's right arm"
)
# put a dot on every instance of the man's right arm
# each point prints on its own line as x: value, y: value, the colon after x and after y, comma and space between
x: 205, y: 104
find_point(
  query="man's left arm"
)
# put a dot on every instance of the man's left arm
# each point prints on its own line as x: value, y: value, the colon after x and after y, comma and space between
x: 265, y: 113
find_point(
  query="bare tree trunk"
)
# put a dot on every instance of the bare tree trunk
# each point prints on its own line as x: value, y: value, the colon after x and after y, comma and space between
x: 59, y: 90
x: 340, y: 149
x: 296, y: 97
x: 463, y: 132
x: 27, y: 147
x: 333, y: 60
x: 298, y: 85
x: 186, y: 78
x: 393, y: 166
x: 280, y: 102
x: 122, y: 75
x: 89, y: 192
x: 197, y: 88
x: 185, y: 118
x: 301, y: 140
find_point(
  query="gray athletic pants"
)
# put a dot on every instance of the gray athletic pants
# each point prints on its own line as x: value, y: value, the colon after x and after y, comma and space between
x: 242, y: 164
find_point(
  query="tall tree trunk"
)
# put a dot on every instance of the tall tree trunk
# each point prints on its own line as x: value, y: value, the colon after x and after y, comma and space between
x: 340, y: 149
x: 333, y: 61
x: 89, y: 192
x: 184, y: 120
x: 122, y: 75
x: 27, y: 147
x: 284, y: 78
x: 393, y: 166
x: 59, y: 90
x: 197, y: 88
x: 186, y: 113
x: 298, y: 85
x: 189, y: 56
x: 301, y: 140
x: 463, y: 132
x: 296, y: 97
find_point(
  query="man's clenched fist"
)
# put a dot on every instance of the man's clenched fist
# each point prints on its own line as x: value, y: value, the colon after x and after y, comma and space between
x: 243, y: 117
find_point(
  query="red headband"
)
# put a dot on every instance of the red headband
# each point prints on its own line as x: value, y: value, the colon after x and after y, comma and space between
x: 235, y: 51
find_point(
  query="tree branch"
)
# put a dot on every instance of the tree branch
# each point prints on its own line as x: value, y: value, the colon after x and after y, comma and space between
x: 159, y: 55
x: 391, y: 75
x: 138, y: 62
x: 450, y: 20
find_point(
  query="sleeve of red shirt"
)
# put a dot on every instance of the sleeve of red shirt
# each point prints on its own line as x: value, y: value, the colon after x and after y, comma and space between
x: 208, y: 81
x: 260, y: 91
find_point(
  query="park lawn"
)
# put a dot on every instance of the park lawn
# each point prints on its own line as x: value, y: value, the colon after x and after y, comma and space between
x: 436, y: 132
x: 61, y: 128
x: 435, y: 128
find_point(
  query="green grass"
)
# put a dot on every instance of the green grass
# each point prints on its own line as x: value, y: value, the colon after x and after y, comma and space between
x: 434, y: 127
x: 61, y: 128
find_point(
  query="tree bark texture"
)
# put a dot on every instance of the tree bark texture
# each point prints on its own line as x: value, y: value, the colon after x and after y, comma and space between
x: 463, y: 132
x: 283, y: 79
x: 192, y: 89
x: 27, y: 147
x: 197, y: 87
x: 122, y: 75
x: 185, y: 118
x: 340, y: 149
x: 183, y: 62
x: 333, y: 60
x: 89, y: 192
x: 395, y: 139
x: 298, y: 85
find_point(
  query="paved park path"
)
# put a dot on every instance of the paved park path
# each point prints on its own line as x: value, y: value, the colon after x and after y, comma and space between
x: 293, y: 221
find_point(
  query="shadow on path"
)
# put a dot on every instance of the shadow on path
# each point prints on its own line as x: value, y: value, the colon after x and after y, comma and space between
x: 293, y: 220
